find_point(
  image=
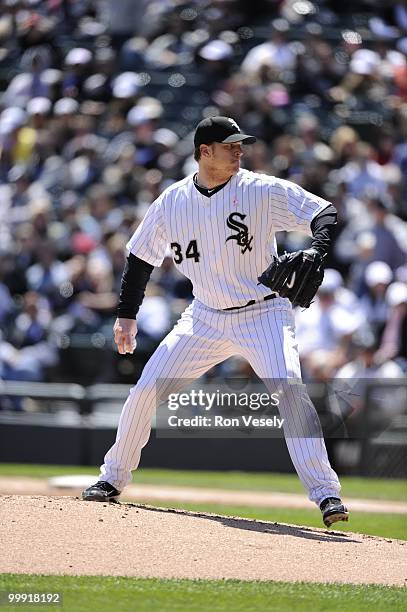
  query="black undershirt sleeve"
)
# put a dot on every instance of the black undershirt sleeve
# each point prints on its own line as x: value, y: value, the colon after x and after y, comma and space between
x: 321, y: 227
x: 136, y: 275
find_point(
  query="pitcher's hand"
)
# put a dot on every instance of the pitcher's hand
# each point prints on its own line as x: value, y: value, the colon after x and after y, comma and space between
x: 125, y: 331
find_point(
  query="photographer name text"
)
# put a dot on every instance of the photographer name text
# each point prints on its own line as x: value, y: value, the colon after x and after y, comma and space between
x: 225, y: 422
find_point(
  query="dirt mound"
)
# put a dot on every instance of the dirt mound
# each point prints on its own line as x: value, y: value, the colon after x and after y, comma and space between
x: 144, y: 493
x: 64, y: 535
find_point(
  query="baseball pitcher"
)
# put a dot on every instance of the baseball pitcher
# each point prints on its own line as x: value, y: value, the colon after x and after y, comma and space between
x: 220, y: 224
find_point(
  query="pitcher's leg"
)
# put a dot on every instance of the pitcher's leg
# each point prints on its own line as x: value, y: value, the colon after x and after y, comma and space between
x: 273, y: 354
x: 305, y: 443
x: 188, y: 351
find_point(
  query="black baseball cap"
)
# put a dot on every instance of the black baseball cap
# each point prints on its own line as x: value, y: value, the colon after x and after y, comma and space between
x: 220, y: 129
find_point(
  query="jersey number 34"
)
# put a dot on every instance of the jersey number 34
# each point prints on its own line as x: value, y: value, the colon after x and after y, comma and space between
x: 190, y: 253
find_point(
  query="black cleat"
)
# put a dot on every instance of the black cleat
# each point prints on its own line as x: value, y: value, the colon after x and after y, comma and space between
x: 333, y: 511
x: 102, y: 491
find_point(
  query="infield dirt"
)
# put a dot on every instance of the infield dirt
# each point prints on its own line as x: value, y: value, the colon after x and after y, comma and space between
x: 64, y: 535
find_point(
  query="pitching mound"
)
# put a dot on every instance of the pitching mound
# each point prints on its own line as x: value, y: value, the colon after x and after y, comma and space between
x: 64, y: 535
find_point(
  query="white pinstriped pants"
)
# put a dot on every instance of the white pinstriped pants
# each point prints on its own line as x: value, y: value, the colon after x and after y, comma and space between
x: 202, y: 338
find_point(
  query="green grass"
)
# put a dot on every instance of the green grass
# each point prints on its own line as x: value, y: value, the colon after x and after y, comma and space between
x: 369, y: 488
x: 83, y: 593
x: 383, y: 525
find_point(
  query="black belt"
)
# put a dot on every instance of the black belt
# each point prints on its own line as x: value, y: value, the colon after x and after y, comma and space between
x: 268, y: 297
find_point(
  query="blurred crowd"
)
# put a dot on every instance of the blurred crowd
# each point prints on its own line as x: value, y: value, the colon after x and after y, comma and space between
x: 97, y: 107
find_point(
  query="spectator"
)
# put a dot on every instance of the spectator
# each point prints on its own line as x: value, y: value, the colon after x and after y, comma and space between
x: 378, y: 276
x: 394, y: 339
x: 351, y: 388
x: 270, y: 58
x: 390, y: 234
x: 155, y: 315
x: 365, y: 243
x: 364, y: 364
x: 362, y: 173
x: 27, y: 85
x: 326, y: 327
x: 388, y: 231
x: 48, y: 274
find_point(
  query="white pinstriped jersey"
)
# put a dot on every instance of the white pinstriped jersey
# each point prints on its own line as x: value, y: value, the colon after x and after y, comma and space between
x: 224, y: 242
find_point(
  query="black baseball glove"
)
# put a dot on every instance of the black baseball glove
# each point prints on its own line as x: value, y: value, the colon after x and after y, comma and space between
x: 295, y: 276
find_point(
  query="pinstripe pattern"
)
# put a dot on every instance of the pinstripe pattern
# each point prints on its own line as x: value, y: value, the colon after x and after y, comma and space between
x: 188, y: 351
x: 267, y: 340
x: 202, y: 338
x: 226, y: 276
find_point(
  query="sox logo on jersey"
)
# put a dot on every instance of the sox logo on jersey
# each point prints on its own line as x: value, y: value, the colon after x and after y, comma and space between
x: 242, y: 236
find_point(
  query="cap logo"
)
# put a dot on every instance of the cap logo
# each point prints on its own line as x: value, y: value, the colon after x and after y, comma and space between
x: 234, y: 124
